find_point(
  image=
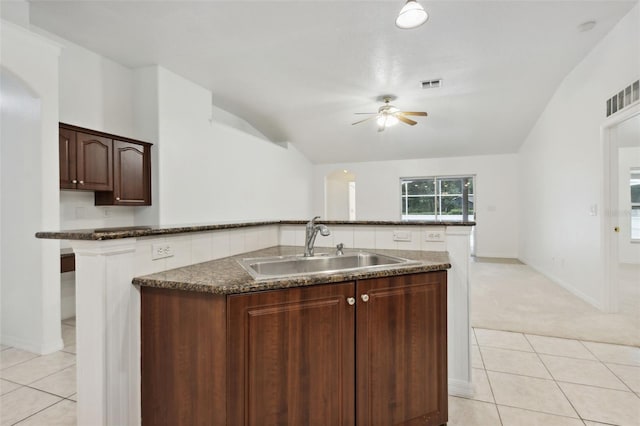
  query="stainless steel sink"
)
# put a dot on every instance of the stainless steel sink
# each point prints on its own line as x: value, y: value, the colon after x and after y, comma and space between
x: 286, y: 266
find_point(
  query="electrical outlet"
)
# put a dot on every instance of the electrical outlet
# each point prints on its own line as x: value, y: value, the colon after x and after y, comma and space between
x: 160, y: 251
x: 434, y: 236
x: 401, y: 236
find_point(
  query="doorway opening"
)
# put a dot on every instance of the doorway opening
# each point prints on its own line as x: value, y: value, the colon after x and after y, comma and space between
x: 621, y: 247
x: 340, y: 195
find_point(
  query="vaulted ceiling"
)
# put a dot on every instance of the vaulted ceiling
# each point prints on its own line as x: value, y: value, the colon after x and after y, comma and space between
x: 299, y: 70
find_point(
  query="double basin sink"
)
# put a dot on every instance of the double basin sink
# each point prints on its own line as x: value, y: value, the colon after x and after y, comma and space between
x: 289, y: 266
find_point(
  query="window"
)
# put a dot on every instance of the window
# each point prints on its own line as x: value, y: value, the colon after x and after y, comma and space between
x: 438, y: 198
x: 634, y: 184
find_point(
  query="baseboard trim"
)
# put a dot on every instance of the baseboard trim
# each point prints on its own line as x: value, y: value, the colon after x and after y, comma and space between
x: 41, y: 348
x: 571, y: 289
x: 461, y: 388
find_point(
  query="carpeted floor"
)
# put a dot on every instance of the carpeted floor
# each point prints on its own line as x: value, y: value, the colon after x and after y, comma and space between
x: 508, y: 295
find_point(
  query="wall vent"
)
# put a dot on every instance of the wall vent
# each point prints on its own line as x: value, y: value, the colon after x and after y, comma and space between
x: 623, y: 98
x: 431, y: 84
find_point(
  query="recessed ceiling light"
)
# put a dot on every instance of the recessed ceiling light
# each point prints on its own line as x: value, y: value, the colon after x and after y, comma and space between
x: 586, y: 26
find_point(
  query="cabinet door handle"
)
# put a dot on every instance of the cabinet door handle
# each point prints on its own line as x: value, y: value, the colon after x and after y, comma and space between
x: 365, y: 297
x: 74, y: 181
x: 81, y: 182
x: 117, y: 198
x: 351, y: 301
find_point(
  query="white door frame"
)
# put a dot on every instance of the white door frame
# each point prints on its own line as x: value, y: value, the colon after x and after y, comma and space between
x: 610, y: 217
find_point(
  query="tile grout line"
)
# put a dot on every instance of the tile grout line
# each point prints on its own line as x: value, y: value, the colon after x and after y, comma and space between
x: 21, y: 362
x: 595, y: 386
x: 557, y: 385
x: 557, y: 337
x: 39, y: 411
x: 42, y: 377
x: 47, y: 392
x: 540, y: 412
x: 484, y: 371
x: 607, y: 367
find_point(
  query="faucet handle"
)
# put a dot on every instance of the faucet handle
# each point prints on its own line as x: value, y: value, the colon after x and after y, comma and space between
x: 339, y: 248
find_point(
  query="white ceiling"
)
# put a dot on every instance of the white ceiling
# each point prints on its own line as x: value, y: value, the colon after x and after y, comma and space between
x: 299, y: 70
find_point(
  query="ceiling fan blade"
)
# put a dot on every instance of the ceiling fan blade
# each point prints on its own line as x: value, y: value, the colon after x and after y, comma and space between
x: 406, y: 120
x: 358, y: 122
x: 420, y: 113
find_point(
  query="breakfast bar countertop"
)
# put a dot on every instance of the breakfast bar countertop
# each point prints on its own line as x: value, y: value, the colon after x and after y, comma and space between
x: 100, y: 234
x: 226, y: 276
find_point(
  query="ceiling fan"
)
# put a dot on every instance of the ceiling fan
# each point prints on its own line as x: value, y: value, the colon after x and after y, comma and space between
x: 388, y: 115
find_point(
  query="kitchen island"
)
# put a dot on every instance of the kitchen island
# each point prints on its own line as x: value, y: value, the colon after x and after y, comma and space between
x: 221, y: 348
x: 109, y: 306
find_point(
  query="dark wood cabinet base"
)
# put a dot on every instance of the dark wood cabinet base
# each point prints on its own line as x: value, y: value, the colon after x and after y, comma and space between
x: 356, y: 353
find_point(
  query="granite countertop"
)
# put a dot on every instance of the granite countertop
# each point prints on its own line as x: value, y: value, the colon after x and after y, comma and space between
x: 146, y: 231
x: 226, y: 276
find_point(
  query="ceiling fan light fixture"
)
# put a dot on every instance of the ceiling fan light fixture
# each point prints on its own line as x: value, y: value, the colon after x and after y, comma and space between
x: 412, y: 15
x: 386, y: 120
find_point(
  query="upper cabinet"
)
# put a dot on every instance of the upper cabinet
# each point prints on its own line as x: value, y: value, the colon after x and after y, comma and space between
x: 131, y: 176
x: 118, y: 169
x: 67, y: 157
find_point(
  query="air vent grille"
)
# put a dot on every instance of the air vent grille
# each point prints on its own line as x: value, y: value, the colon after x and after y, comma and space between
x: 431, y: 84
x: 623, y: 98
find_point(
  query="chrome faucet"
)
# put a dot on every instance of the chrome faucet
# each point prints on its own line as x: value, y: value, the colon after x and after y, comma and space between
x: 311, y: 231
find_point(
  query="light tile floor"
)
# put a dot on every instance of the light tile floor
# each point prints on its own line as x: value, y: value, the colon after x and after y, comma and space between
x: 520, y: 380
x: 39, y: 390
x: 529, y: 380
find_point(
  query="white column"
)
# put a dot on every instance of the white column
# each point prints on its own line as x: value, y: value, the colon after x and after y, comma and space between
x: 458, y: 305
x: 107, y: 333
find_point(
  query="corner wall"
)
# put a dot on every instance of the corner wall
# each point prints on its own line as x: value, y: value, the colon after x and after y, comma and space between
x: 209, y: 171
x: 378, y: 193
x: 561, y: 166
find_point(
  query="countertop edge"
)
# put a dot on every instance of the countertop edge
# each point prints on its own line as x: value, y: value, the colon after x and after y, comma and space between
x: 294, y: 282
x: 225, y: 276
x: 148, y: 231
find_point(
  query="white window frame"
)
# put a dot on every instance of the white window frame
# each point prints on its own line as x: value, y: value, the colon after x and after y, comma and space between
x: 437, y: 195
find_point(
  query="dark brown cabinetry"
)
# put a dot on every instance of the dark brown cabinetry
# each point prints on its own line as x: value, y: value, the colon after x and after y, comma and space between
x: 402, y: 350
x: 291, y: 357
x: 118, y: 169
x: 370, y: 352
x: 131, y: 176
x: 85, y: 161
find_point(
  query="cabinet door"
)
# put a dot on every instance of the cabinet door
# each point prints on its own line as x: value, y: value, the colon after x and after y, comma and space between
x: 131, y: 177
x: 402, y: 350
x: 67, y: 158
x: 95, y: 167
x: 291, y: 357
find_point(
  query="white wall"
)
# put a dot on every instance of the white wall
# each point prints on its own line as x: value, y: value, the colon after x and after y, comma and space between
x: 30, y: 278
x: 210, y: 171
x: 95, y: 93
x: 378, y: 193
x: 561, y: 166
